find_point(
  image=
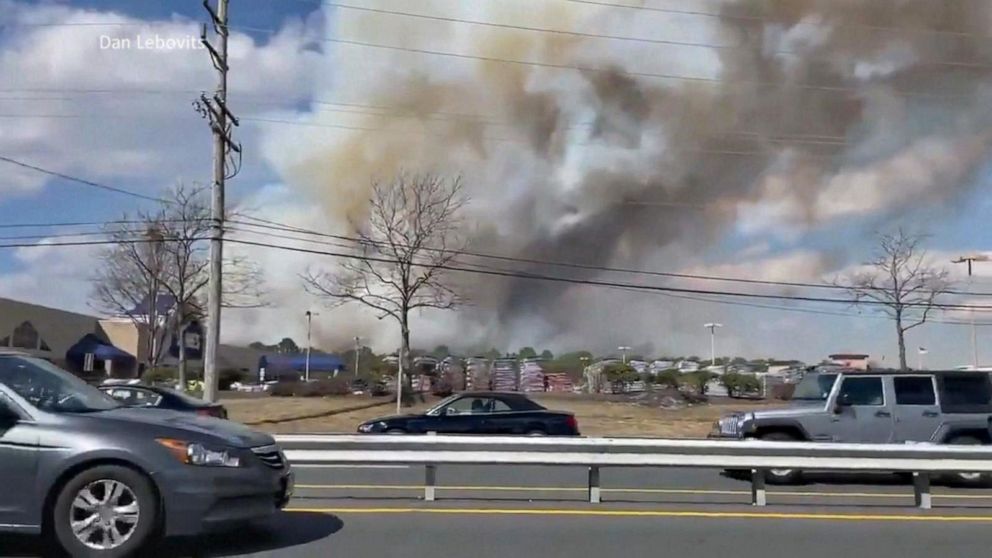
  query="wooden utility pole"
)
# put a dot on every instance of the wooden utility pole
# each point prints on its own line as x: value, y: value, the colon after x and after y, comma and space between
x: 221, y: 121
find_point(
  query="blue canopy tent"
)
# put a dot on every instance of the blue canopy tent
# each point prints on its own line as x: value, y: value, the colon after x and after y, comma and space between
x: 102, y: 352
x: 271, y: 367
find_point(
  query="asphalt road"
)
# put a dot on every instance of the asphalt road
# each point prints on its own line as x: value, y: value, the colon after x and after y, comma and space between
x: 541, y: 511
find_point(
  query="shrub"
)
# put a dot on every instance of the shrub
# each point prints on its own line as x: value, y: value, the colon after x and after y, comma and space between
x: 330, y: 386
x: 318, y: 388
x: 740, y: 384
x: 668, y: 378
x: 284, y: 389
x: 696, y: 382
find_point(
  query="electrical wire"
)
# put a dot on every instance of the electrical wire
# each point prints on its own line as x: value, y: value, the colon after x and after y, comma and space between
x: 271, y: 225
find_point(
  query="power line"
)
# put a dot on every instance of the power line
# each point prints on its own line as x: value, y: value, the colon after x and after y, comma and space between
x: 592, y: 282
x: 788, y: 140
x: 288, y: 228
x: 272, y: 225
x: 742, y: 17
x: 81, y: 181
x: 617, y: 71
x: 586, y: 35
x: 80, y: 243
x: 783, y: 308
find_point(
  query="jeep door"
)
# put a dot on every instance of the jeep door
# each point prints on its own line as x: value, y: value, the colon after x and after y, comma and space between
x: 861, y: 413
x: 917, y: 410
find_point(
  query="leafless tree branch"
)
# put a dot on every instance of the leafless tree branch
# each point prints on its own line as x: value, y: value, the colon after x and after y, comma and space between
x: 900, y: 282
x: 410, y: 235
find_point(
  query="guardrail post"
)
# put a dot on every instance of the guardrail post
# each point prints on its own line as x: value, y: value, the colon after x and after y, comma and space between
x: 594, y: 485
x: 921, y: 490
x: 430, y: 478
x: 758, y: 487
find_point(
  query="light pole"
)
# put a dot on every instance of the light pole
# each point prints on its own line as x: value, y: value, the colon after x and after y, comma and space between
x: 969, y: 259
x: 399, y: 381
x: 623, y: 351
x: 306, y: 368
x: 358, y: 352
x: 712, y: 327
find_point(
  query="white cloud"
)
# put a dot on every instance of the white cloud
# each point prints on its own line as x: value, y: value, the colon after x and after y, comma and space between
x: 52, y: 276
x: 136, y: 125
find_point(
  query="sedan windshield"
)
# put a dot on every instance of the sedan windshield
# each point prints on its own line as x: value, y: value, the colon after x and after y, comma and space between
x: 51, y: 389
x: 444, y: 403
x: 814, y: 386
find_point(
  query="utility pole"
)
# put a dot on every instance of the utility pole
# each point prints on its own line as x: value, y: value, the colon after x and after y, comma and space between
x: 215, y: 110
x: 712, y: 327
x: 970, y: 259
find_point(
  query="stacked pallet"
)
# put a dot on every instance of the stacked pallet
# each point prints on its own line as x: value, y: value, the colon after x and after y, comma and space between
x: 477, y: 374
x: 531, y: 376
x: 560, y: 383
x: 505, y: 375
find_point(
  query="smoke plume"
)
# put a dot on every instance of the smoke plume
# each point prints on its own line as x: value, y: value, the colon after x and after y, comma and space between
x: 624, y: 153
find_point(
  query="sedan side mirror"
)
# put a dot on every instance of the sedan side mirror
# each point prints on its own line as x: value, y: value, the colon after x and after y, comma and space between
x: 450, y: 411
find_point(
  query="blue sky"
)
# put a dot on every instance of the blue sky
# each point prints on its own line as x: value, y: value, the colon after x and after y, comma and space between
x: 149, y: 141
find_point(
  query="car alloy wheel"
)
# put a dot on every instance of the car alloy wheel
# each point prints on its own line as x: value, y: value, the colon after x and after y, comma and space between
x: 104, y: 514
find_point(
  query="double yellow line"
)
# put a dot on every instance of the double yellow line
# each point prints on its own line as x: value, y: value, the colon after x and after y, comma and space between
x: 652, y: 513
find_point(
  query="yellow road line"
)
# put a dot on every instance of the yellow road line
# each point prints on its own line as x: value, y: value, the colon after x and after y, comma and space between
x: 690, y: 491
x: 655, y: 513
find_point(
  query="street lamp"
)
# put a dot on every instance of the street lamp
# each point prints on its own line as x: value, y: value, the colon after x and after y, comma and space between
x: 358, y: 352
x: 969, y: 259
x: 623, y: 351
x: 306, y: 369
x: 712, y: 327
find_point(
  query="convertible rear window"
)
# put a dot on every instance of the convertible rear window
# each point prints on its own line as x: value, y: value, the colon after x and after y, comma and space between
x: 520, y: 403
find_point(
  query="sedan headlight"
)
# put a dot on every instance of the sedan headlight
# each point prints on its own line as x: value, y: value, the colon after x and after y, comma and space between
x: 371, y: 427
x: 192, y: 453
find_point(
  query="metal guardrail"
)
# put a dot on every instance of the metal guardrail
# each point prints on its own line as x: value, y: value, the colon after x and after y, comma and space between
x: 922, y: 460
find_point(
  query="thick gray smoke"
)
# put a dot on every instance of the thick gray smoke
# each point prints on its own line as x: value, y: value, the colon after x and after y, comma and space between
x: 807, y: 111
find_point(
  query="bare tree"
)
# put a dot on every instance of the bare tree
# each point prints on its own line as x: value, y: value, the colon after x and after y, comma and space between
x: 177, y: 230
x: 901, y: 283
x: 411, y: 236
x: 129, y: 277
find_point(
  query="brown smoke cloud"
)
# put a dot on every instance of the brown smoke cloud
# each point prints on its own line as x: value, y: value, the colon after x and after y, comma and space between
x: 812, y: 104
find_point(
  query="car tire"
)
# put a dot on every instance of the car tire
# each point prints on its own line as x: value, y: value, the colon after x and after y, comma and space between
x: 781, y: 476
x: 122, y: 501
x: 973, y: 480
x: 395, y: 431
x: 536, y: 432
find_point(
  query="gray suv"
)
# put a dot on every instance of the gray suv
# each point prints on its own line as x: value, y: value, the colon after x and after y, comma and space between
x: 103, y: 479
x: 874, y: 407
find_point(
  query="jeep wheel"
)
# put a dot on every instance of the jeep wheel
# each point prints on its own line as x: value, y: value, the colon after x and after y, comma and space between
x: 781, y: 476
x: 106, y: 512
x: 977, y: 480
